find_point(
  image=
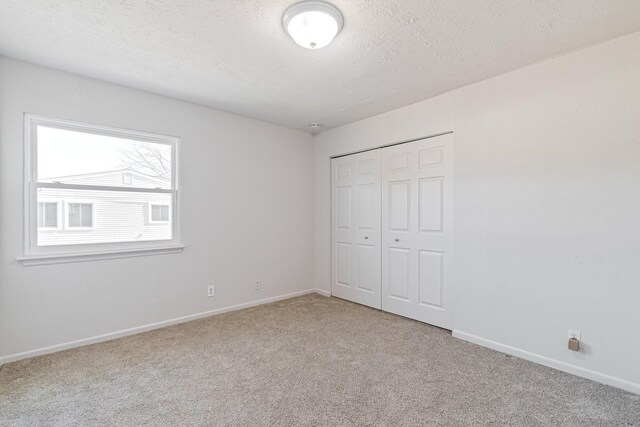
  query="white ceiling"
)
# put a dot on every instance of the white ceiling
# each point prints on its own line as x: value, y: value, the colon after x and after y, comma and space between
x: 234, y: 55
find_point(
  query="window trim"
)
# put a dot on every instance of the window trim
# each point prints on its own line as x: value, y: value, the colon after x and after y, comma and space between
x: 67, y: 211
x: 151, y: 220
x: 58, y: 204
x: 32, y: 253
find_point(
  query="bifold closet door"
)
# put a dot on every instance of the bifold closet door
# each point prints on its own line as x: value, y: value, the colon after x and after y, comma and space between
x: 417, y: 229
x: 356, y: 228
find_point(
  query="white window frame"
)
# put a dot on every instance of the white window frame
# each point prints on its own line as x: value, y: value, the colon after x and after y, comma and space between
x: 58, y: 226
x: 38, y: 255
x: 151, y: 220
x: 82, y: 202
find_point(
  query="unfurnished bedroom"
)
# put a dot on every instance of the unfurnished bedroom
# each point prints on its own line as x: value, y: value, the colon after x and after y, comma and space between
x: 320, y: 213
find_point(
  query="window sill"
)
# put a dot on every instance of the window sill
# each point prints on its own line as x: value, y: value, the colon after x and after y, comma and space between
x: 30, y: 260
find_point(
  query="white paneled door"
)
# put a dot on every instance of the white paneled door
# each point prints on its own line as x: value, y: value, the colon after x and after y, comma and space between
x: 392, y: 229
x: 356, y: 228
x: 417, y: 229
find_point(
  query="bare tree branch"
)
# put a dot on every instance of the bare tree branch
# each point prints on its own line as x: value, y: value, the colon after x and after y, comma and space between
x: 147, y: 159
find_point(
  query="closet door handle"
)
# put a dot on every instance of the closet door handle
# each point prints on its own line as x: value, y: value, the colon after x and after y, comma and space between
x: 397, y: 240
x: 366, y: 237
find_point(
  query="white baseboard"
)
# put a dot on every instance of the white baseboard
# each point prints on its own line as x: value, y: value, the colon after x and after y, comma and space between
x: 151, y: 326
x: 322, y: 292
x: 552, y: 363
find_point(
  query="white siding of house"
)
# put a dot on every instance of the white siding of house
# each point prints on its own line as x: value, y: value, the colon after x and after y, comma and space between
x: 117, y: 217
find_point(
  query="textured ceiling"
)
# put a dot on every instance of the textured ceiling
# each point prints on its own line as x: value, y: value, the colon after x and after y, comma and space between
x: 234, y: 55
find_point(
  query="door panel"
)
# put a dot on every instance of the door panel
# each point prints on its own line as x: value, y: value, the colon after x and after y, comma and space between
x: 417, y: 229
x: 344, y: 170
x: 343, y: 206
x: 434, y: 240
x: 399, y: 208
x: 430, y: 276
x: 430, y: 204
x: 399, y: 273
x: 366, y: 206
x: 344, y: 264
x: 367, y: 266
x: 430, y: 157
x: 399, y: 162
x: 367, y: 167
x: 397, y: 234
x: 356, y: 225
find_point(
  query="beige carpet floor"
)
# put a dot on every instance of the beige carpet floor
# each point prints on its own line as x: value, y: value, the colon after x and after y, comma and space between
x: 305, y: 361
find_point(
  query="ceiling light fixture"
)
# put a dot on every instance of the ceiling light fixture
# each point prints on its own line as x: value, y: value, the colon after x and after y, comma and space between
x: 312, y: 24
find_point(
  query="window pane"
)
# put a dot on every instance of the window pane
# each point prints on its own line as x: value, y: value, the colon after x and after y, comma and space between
x: 51, y: 215
x: 86, y: 217
x: 155, y: 213
x: 73, y: 157
x: 116, y: 216
x: 159, y: 213
x: 74, y: 214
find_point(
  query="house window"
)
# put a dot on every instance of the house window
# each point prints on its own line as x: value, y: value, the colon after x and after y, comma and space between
x: 48, y: 215
x: 159, y: 213
x: 80, y: 215
x: 100, y: 180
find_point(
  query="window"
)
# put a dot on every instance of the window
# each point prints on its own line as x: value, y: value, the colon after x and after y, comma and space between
x: 159, y: 213
x: 107, y: 184
x: 80, y: 215
x: 48, y: 215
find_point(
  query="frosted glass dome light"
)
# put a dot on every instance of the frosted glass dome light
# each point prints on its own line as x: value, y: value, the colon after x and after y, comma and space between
x: 312, y: 24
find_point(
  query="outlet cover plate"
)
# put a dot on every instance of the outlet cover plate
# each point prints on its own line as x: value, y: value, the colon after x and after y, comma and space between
x: 210, y: 291
x: 575, y: 334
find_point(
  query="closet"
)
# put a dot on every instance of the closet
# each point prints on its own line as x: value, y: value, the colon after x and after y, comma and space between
x: 356, y: 228
x: 392, y: 229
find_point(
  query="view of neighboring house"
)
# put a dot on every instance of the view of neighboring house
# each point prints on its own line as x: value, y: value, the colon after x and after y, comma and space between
x: 73, y: 216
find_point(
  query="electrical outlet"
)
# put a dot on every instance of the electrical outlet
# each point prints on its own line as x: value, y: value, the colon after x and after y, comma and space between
x: 210, y: 291
x: 258, y: 285
x: 575, y: 334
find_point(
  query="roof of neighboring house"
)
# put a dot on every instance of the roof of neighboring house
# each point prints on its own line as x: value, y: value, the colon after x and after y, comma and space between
x: 116, y: 177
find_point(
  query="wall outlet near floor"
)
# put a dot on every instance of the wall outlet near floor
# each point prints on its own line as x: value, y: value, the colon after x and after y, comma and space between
x: 258, y: 285
x: 574, y: 340
x: 210, y: 291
